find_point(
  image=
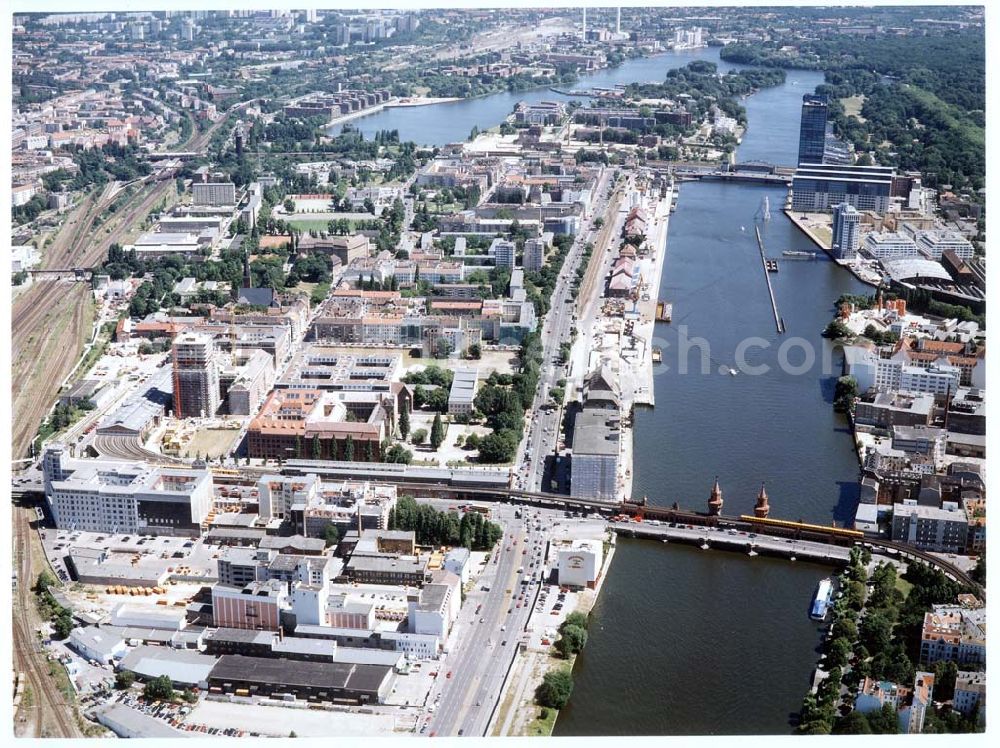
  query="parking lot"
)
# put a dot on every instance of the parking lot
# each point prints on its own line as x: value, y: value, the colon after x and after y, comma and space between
x: 279, y: 721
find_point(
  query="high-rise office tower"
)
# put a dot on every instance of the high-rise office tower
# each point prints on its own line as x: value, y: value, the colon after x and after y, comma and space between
x: 812, y: 129
x: 846, y: 231
x: 196, y: 376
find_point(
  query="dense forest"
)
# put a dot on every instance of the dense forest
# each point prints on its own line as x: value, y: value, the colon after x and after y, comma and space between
x: 923, y: 97
x: 700, y: 80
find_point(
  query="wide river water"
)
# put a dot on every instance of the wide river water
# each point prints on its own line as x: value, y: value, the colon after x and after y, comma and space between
x: 684, y: 641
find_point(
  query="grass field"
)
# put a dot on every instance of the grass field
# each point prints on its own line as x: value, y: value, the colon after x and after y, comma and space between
x: 539, y: 727
x: 903, y: 586
x: 852, y: 106
x: 307, y: 224
x: 210, y: 443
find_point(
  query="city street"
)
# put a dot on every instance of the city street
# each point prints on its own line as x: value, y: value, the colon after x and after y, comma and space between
x: 542, y: 432
x: 488, y: 632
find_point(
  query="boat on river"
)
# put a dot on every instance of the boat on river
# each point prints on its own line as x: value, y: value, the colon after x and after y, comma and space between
x: 821, y: 602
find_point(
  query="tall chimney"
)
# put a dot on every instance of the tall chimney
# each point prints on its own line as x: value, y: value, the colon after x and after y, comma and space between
x: 618, y: 21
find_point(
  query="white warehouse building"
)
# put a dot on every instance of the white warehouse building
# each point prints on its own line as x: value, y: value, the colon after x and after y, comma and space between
x: 580, y: 562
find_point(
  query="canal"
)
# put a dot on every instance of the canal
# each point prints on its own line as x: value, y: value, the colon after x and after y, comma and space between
x: 684, y: 641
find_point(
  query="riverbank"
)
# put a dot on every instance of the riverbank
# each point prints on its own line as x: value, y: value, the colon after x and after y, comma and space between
x: 396, y: 103
x: 519, y: 714
x: 816, y: 228
x: 422, y: 101
x: 636, y: 375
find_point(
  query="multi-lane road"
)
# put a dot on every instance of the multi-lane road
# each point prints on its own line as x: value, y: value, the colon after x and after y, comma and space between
x: 542, y: 432
x: 488, y: 631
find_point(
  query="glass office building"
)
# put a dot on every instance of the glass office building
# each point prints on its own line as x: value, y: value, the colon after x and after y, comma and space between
x: 812, y: 129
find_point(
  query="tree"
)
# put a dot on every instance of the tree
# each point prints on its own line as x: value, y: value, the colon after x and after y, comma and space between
x: 419, y: 436
x: 349, y: 448
x: 573, y: 639
x: 884, y: 721
x: 576, y: 618
x: 844, y: 394
x: 854, y: 594
x: 875, y: 632
x: 837, y: 329
x: 289, y: 205
x: 475, y: 351
x: 844, y: 628
x: 945, y: 674
x: 369, y: 451
x: 124, y: 679
x: 839, y: 653
x: 854, y: 723
x: 437, y: 432
x: 160, y: 688
x: 555, y: 689
x: 498, y: 447
x: 442, y: 348
x: 331, y: 535
x: 399, y: 454
x: 317, y: 448
x: 404, y: 421
x: 62, y: 624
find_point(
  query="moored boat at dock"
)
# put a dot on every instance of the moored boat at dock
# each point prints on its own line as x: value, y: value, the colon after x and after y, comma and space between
x: 821, y: 602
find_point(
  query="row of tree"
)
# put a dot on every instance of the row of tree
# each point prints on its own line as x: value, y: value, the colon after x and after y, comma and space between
x: 876, y: 633
x: 432, y: 527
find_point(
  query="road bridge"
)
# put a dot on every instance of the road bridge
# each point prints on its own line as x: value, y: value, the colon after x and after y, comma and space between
x: 456, y: 484
x: 735, y: 176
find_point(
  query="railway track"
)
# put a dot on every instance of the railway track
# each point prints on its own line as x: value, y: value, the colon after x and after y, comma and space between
x: 53, y: 341
x: 130, y: 448
x: 49, y: 703
x: 75, y: 245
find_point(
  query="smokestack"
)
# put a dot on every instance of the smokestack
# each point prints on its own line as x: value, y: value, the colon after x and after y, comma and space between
x: 618, y: 21
x: 585, y: 23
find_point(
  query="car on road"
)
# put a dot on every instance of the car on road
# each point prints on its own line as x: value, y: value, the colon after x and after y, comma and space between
x: 448, y: 675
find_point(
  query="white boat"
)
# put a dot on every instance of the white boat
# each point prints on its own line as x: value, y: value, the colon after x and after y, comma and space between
x: 821, y: 602
x: 732, y: 372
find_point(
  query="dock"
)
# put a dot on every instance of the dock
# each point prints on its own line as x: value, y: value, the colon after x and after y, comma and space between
x: 664, y: 311
x: 779, y: 323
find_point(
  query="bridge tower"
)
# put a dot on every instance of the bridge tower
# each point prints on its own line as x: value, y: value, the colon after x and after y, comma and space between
x: 715, y: 500
x: 761, y: 509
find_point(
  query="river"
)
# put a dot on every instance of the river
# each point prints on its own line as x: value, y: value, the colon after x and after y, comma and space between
x: 684, y: 641
x: 438, y: 124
